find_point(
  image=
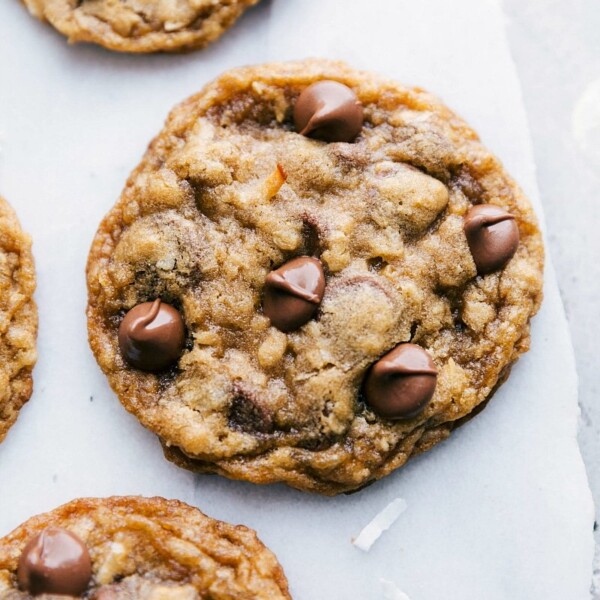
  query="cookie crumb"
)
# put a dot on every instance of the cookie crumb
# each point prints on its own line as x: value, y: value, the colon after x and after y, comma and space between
x: 380, y: 523
x: 391, y: 591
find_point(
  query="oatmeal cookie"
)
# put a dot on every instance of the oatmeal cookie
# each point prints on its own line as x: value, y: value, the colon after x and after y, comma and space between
x: 18, y: 318
x: 314, y: 274
x: 141, y: 25
x: 134, y: 548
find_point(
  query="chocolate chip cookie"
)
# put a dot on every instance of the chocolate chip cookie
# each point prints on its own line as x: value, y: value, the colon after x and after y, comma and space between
x: 141, y: 25
x: 137, y: 549
x: 18, y: 318
x: 314, y: 274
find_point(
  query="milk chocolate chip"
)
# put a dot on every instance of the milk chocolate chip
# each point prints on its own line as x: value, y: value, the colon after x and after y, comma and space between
x: 151, y: 336
x: 55, y: 562
x: 401, y: 383
x: 329, y: 111
x: 492, y: 235
x: 294, y: 292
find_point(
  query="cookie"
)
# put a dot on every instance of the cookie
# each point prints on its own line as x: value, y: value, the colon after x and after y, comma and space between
x: 18, y: 318
x: 136, y: 548
x: 141, y: 25
x: 330, y: 268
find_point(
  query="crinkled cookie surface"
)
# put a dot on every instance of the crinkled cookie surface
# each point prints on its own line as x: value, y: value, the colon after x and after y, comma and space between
x: 18, y: 318
x: 229, y: 191
x: 141, y: 25
x: 153, y: 549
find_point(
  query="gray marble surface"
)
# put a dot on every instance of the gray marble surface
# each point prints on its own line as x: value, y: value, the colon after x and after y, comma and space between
x: 556, y: 46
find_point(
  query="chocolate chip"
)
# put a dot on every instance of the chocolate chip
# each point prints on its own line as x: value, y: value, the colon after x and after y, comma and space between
x: 492, y: 235
x: 152, y: 336
x: 329, y: 111
x: 55, y: 562
x: 294, y: 292
x: 401, y: 383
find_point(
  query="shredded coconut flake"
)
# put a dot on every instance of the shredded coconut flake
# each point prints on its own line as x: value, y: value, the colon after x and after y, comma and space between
x: 382, y: 522
x: 391, y: 591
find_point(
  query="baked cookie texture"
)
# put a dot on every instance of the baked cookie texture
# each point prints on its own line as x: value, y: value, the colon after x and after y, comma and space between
x: 141, y: 25
x: 228, y: 192
x: 18, y: 318
x: 145, y: 549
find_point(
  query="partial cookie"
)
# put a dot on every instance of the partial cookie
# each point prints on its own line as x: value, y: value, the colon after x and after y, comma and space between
x: 18, y: 318
x: 136, y: 548
x: 141, y: 25
x: 312, y: 276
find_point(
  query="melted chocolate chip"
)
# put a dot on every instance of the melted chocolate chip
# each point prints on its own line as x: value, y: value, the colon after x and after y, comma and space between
x: 152, y: 336
x: 245, y: 414
x: 401, y: 383
x: 294, y: 292
x: 55, y: 562
x: 376, y: 264
x: 329, y: 111
x: 492, y: 235
x: 310, y: 235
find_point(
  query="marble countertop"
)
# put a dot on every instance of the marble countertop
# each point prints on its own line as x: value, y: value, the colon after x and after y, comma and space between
x: 556, y: 47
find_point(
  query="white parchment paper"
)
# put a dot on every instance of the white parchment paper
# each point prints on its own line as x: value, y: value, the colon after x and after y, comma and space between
x: 500, y: 511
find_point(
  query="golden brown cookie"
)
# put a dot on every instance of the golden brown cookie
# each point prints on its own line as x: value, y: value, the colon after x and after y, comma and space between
x: 134, y: 548
x: 18, y: 318
x: 141, y: 25
x: 312, y: 276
